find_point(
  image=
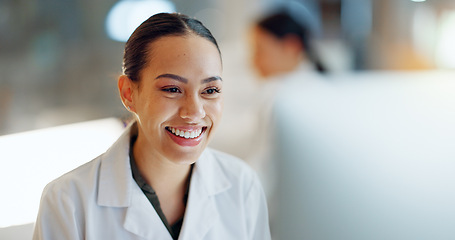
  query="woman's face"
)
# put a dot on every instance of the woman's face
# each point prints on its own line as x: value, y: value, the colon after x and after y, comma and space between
x: 273, y: 55
x: 267, y: 52
x: 178, y: 102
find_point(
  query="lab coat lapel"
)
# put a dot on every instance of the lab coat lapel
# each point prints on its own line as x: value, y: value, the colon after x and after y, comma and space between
x: 142, y: 219
x: 202, y: 213
x: 115, y: 180
x: 118, y: 189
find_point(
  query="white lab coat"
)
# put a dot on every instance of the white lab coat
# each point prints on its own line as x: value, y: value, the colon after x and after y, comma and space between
x: 101, y: 200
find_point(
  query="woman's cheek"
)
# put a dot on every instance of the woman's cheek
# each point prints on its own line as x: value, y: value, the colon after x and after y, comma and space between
x: 216, y: 110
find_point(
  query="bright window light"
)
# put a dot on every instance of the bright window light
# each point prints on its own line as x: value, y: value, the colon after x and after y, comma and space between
x: 445, y: 52
x: 125, y: 16
x: 32, y: 159
x: 424, y: 31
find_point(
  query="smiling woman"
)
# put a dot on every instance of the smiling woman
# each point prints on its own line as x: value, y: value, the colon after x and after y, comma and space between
x: 159, y: 180
x: 174, y: 91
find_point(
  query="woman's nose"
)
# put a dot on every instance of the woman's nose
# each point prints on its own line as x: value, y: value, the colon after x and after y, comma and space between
x: 192, y: 109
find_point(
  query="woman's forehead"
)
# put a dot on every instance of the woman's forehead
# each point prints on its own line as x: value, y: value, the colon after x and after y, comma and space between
x: 180, y: 43
x: 188, y: 56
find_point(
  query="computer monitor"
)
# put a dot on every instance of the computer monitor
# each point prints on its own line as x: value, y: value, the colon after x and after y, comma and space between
x: 366, y: 156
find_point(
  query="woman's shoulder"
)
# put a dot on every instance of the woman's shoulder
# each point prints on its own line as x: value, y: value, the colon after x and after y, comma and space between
x: 75, y: 180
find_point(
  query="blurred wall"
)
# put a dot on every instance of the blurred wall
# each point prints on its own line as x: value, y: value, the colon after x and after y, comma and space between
x: 57, y: 65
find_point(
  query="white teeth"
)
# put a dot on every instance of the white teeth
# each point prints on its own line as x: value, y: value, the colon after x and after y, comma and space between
x: 188, y: 134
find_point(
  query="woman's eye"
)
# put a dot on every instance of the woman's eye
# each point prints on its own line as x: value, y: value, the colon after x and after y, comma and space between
x: 211, y: 91
x: 171, y: 90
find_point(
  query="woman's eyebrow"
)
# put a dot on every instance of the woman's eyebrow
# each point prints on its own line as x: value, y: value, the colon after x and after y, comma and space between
x: 173, y: 76
x: 211, y: 79
x: 184, y: 80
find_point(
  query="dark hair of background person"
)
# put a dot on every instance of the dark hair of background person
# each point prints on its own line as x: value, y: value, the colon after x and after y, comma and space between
x: 157, y: 26
x: 281, y: 24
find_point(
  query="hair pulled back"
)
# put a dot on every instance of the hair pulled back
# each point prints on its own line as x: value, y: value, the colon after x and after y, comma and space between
x: 157, y: 26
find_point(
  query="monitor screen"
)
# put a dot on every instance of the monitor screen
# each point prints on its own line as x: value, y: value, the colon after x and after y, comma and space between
x: 368, y: 156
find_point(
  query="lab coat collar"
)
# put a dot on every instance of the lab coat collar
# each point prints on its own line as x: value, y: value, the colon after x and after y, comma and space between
x: 117, y: 189
x: 207, y: 181
x: 209, y: 175
x: 116, y: 182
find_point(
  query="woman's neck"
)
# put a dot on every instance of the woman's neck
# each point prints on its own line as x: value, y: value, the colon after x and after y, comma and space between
x: 163, y: 175
x: 168, y: 179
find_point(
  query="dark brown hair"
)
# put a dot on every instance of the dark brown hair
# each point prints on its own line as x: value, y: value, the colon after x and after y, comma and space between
x: 282, y: 24
x: 157, y: 26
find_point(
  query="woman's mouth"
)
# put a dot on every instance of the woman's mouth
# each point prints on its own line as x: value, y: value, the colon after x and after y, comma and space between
x: 186, y: 137
x: 185, y: 133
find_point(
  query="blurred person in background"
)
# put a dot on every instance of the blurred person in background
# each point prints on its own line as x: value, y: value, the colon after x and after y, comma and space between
x: 159, y: 181
x: 281, y: 54
x: 281, y: 46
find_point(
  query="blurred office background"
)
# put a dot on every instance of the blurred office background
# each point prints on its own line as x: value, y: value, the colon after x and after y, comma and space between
x: 59, y: 65
x: 60, y: 59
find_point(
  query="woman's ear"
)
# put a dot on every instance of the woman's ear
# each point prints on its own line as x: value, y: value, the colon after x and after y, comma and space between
x: 126, y: 89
